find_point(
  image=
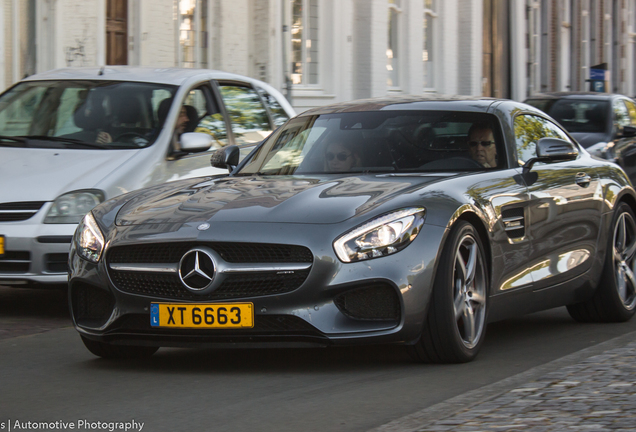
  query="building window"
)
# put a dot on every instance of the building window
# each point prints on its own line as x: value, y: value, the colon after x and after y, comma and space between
x: 392, y: 50
x: 193, y: 33
x: 428, y: 54
x: 304, y: 42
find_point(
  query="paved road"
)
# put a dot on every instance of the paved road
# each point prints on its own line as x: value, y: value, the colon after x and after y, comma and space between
x: 47, y: 375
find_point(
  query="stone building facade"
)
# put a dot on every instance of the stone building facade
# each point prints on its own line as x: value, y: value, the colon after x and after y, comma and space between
x: 323, y: 51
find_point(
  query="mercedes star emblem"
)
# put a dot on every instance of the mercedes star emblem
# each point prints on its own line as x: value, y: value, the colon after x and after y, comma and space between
x: 196, y: 269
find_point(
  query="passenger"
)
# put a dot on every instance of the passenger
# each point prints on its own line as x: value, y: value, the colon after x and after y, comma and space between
x: 341, y: 157
x: 482, y: 146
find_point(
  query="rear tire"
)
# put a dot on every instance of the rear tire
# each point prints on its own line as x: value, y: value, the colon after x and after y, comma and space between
x: 455, y: 325
x: 109, y: 351
x: 615, y: 296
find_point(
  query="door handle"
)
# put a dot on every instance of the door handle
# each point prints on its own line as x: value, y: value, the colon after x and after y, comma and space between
x: 582, y: 179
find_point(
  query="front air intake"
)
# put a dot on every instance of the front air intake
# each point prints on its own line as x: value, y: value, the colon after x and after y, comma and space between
x: 378, y: 302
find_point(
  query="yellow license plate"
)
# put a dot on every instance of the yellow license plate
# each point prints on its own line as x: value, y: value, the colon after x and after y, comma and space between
x: 1, y: 245
x: 203, y: 315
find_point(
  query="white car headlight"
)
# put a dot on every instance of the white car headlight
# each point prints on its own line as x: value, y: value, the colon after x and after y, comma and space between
x: 379, y: 237
x: 71, y: 207
x: 89, y: 240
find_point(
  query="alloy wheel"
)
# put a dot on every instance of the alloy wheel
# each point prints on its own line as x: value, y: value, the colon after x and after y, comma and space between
x: 624, y: 249
x: 469, y: 291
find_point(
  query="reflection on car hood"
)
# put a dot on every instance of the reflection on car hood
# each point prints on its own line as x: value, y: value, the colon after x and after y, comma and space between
x: 301, y: 199
x: 44, y: 174
x: 587, y: 139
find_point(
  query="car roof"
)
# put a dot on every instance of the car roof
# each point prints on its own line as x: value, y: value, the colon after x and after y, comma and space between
x: 574, y: 95
x: 174, y: 76
x: 426, y: 102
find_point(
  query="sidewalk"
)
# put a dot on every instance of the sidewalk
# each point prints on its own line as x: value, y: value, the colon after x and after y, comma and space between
x: 592, y: 390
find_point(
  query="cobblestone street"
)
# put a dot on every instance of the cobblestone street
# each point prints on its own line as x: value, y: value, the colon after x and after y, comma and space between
x: 594, y: 394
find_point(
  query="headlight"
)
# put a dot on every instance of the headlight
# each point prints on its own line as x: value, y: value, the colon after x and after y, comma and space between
x: 381, y: 236
x: 89, y: 241
x: 71, y: 207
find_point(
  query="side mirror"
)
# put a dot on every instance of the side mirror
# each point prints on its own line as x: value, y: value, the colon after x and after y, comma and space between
x: 627, y: 132
x: 194, y: 142
x: 227, y: 157
x: 552, y: 150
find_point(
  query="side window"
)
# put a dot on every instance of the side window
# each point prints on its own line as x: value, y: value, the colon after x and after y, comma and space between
x: 528, y: 130
x: 621, y: 116
x: 203, y: 116
x: 631, y: 108
x: 279, y: 116
x: 250, y: 122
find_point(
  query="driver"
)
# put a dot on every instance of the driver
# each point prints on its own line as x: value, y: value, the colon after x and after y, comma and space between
x: 481, y: 143
x: 341, y: 157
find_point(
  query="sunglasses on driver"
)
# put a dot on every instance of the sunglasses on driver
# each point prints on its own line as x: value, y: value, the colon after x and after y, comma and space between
x: 341, y: 156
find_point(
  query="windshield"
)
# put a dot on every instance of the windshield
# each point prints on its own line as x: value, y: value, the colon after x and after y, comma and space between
x: 101, y: 114
x: 381, y: 141
x: 578, y: 115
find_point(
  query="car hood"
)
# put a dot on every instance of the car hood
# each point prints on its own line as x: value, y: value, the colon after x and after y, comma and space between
x: 298, y: 199
x: 44, y: 174
x: 587, y: 139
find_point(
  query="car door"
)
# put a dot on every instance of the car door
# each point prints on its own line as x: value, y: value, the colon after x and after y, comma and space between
x: 565, y: 204
x: 205, y: 115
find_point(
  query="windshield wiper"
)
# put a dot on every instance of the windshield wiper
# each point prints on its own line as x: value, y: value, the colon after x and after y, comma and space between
x: 12, y: 138
x: 63, y: 140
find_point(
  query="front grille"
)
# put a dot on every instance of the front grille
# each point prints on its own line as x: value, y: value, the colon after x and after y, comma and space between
x: 56, y: 262
x: 19, y: 211
x: 230, y: 252
x: 375, y: 302
x: 240, y: 284
x: 91, y: 306
x: 263, y: 324
x: 15, y: 262
x: 235, y: 285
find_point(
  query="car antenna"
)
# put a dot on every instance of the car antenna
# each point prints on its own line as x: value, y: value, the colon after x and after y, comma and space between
x: 101, y: 71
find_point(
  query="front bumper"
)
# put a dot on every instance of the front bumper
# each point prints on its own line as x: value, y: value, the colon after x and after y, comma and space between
x: 311, y: 314
x: 35, y: 253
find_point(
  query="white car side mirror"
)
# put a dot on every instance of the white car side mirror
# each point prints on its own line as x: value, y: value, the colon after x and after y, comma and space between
x: 193, y: 142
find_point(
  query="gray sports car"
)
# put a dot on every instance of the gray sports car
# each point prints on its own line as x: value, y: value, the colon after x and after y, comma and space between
x: 413, y: 221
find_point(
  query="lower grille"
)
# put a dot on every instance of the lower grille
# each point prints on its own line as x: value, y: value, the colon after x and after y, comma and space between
x: 263, y: 324
x: 91, y: 306
x: 375, y: 302
x: 15, y: 262
x: 57, y: 263
x: 235, y: 286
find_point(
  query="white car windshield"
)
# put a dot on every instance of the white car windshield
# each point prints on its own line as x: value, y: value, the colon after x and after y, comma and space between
x: 93, y: 114
x: 380, y: 141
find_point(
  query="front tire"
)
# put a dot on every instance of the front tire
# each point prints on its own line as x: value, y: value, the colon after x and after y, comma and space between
x: 455, y: 325
x: 615, y: 296
x: 109, y: 351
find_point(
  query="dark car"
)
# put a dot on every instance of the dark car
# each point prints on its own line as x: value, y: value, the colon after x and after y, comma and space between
x: 603, y: 123
x: 412, y: 221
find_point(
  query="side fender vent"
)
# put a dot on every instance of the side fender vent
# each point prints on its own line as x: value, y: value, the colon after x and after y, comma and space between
x: 514, y: 222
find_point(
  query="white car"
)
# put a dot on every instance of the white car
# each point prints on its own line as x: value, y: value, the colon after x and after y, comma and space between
x: 72, y: 138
